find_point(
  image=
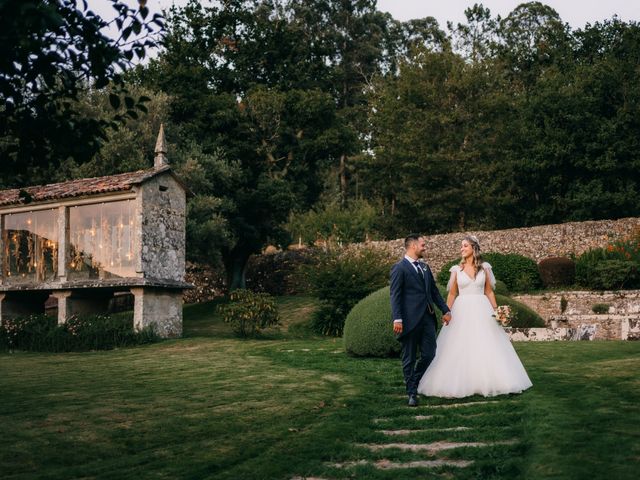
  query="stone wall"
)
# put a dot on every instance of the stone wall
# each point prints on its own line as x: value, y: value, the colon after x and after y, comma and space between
x: 549, y: 305
x: 162, y: 236
x: 533, y: 242
x: 619, y: 322
x: 208, y: 283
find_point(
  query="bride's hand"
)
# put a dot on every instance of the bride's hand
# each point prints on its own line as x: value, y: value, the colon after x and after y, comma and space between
x: 446, y: 318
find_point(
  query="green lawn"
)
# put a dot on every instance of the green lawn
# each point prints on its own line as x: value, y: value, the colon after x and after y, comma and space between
x: 291, y: 405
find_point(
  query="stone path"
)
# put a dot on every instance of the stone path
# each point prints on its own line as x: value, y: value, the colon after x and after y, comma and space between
x: 437, y: 422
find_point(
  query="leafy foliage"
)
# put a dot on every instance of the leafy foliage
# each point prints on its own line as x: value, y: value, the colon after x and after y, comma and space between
x: 557, y: 271
x: 523, y: 123
x: 522, y: 316
x: 279, y: 273
x: 600, y: 308
x: 513, y: 272
x: 613, y: 267
x: 249, y: 313
x: 49, y: 52
x: 41, y: 333
x: 518, y: 272
x: 340, y: 279
x: 332, y: 223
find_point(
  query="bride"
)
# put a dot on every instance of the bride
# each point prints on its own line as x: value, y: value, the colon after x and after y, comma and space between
x: 474, y: 355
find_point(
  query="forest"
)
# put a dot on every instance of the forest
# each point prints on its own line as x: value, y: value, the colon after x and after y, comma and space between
x: 304, y: 120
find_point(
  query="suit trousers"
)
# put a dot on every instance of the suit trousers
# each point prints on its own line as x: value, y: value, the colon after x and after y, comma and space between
x: 421, y: 339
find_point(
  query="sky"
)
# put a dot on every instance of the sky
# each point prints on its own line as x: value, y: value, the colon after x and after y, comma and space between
x: 577, y: 13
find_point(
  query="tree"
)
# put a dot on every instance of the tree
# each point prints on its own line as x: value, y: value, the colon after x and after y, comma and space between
x: 127, y: 148
x: 234, y: 95
x: 49, y: 53
x: 355, y: 38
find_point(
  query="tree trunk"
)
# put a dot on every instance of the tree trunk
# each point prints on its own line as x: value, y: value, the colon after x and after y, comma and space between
x: 235, y: 264
x: 343, y: 180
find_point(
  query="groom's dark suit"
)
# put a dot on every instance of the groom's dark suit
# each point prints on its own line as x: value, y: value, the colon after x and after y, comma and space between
x: 412, y: 300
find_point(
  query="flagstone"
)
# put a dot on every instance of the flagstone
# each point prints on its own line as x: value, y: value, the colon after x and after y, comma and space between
x: 418, y: 430
x: 434, y: 446
x: 385, y: 464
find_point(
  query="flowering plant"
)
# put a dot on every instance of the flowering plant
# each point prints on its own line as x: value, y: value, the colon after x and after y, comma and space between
x: 503, y: 315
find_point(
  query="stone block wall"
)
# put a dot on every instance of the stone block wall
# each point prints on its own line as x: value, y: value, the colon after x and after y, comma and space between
x: 162, y: 239
x: 620, y: 322
x: 549, y: 305
x: 208, y: 283
x: 533, y: 242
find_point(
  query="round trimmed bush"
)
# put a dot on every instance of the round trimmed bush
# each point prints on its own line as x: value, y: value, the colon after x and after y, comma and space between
x: 524, y: 316
x: 368, y: 329
x: 557, y: 271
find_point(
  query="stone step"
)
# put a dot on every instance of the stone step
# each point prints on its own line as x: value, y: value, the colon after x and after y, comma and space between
x: 463, y: 404
x: 385, y: 464
x: 433, y: 447
x: 418, y: 430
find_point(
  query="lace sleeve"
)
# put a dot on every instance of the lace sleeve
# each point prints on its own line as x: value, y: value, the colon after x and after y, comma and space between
x: 454, y: 271
x: 489, y: 272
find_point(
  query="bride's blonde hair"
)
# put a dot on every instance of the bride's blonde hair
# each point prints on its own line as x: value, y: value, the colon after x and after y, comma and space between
x: 475, y: 246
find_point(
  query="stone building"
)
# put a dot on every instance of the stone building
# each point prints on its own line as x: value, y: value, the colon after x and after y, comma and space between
x: 86, y: 241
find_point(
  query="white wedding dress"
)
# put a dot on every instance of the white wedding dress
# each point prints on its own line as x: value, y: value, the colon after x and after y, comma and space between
x: 474, y: 355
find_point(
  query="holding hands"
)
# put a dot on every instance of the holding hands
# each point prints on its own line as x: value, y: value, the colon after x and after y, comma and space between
x: 446, y: 318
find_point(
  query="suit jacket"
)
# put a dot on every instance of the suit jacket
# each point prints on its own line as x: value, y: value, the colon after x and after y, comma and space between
x: 412, y: 297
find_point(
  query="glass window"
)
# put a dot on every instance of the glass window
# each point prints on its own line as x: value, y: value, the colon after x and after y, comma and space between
x: 101, y: 238
x: 30, y: 244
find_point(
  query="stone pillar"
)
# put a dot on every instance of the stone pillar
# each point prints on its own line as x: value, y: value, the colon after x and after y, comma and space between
x: 2, y: 296
x: 63, y: 244
x: 158, y: 308
x: 64, y: 305
x: 3, y: 267
x: 80, y: 303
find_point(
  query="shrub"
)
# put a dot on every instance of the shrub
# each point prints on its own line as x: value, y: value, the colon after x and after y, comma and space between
x: 610, y: 268
x: 443, y: 275
x: 614, y: 275
x: 502, y: 287
x: 276, y: 274
x: 334, y: 223
x: 600, y: 308
x: 613, y: 267
x: 249, y: 313
x: 368, y: 329
x: 340, y: 279
x: 518, y: 272
x: 557, y: 271
x: 79, y: 333
x: 523, y: 316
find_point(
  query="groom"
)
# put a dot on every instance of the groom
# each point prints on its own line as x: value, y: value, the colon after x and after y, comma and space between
x: 413, y: 294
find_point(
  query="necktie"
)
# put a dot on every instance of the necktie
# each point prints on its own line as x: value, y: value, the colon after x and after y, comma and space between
x: 420, y: 272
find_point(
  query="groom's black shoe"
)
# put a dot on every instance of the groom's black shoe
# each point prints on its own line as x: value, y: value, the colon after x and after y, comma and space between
x: 413, y: 400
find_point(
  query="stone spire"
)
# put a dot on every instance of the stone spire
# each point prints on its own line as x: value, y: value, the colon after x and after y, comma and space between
x: 160, y: 159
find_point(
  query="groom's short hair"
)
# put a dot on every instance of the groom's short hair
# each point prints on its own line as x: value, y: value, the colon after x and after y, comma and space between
x: 412, y: 237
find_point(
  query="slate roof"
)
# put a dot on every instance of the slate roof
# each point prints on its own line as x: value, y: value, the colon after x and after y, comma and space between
x: 80, y: 187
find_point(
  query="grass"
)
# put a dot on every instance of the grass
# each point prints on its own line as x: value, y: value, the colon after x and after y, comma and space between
x: 290, y: 404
